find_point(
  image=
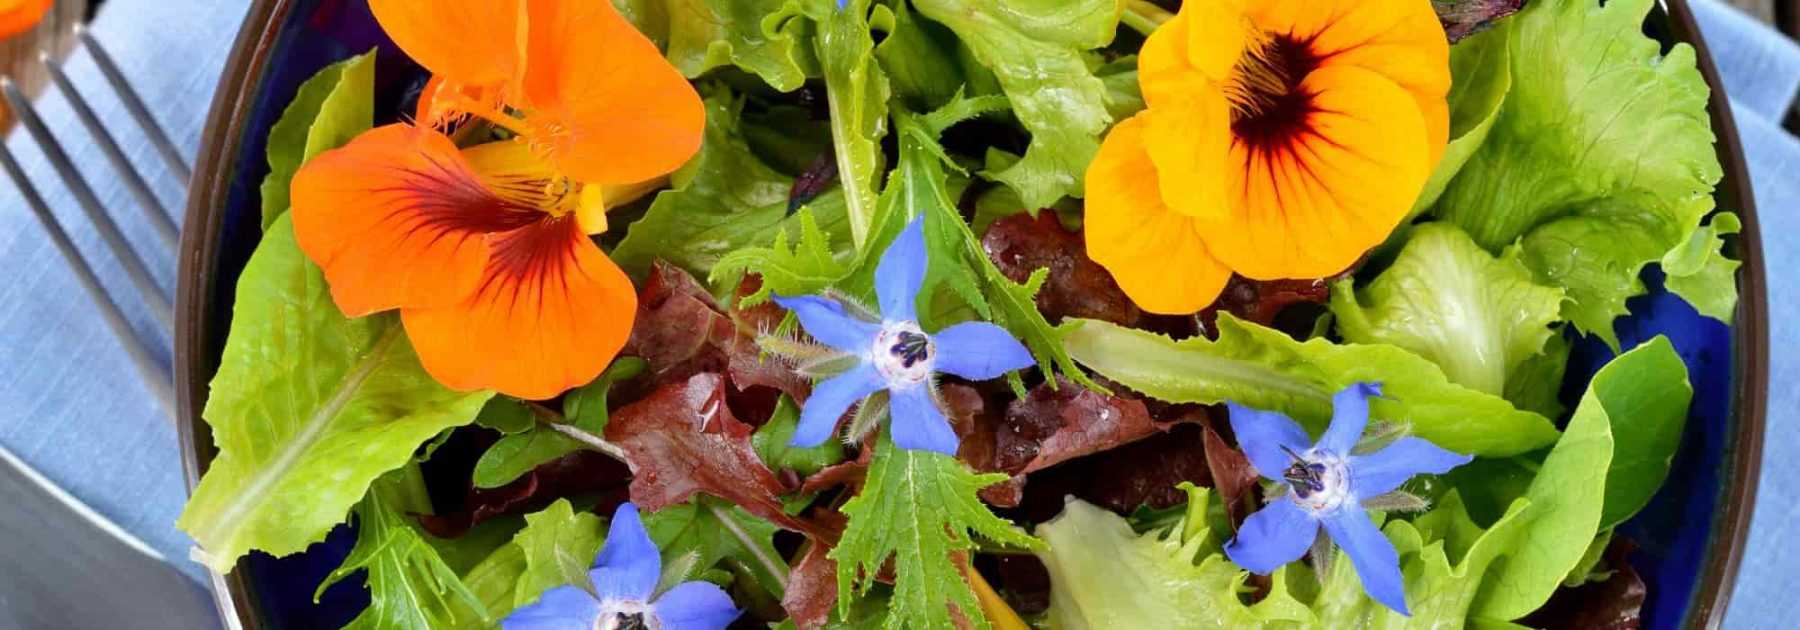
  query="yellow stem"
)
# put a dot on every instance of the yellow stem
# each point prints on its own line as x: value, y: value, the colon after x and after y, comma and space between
x: 999, y: 614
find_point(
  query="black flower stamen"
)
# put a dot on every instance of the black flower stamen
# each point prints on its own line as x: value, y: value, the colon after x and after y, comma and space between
x: 632, y: 621
x: 1305, y: 477
x: 911, y: 348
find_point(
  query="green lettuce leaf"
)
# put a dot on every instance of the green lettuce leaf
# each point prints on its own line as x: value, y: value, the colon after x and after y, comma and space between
x: 1480, y: 78
x: 410, y: 587
x: 308, y: 407
x: 1644, y: 394
x: 722, y: 200
x: 705, y: 532
x: 1700, y: 273
x: 919, y: 57
x: 1445, y: 299
x: 1264, y: 368
x: 329, y: 110
x: 702, y: 35
x: 559, y: 546
x: 919, y: 508
x: 1536, y: 384
x: 1601, y: 159
x: 1035, y: 48
x: 857, y: 92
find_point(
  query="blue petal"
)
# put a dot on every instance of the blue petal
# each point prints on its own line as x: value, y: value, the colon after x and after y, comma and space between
x: 1262, y: 434
x: 917, y: 424
x: 560, y: 608
x: 1275, y: 535
x: 629, y: 564
x: 900, y: 274
x: 1349, y: 416
x: 696, y: 606
x: 1377, y: 565
x: 979, y: 351
x: 1382, y: 471
x: 826, y: 321
x: 828, y: 402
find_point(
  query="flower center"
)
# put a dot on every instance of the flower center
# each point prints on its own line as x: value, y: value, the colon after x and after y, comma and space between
x: 1268, y: 108
x: 1319, y: 483
x: 626, y: 615
x: 903, y: 353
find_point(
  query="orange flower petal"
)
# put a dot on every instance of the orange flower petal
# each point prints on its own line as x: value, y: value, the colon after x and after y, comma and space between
x: 550, y: 313
x: 1189, y: 142
x: 1310, y: 208
x: 469, y: 41
x: 19, y: 16
x: 1399, y: 39
x: 1186, y: 54
x: 1154, y: 253
x: 397, y: 218
x: 616, y: 110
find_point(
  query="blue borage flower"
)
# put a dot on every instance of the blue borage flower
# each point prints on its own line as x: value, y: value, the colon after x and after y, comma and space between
x: 895, y: 355
x: 1328, y: 484
x: 623, y: 595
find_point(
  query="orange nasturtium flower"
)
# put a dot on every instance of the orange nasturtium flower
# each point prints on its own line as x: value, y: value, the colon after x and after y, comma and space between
x: 18, y: 16
x: 486, y: 250
x: 1282, y: 139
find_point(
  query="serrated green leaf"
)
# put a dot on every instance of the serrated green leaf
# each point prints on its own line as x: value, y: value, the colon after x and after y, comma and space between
x: 1444, y: 298
x: 410, y: 587
x: 918, y: 507
x: 307, y: 408
x: 330, y: 109
x: 1601, y: 158
x: 724, y: 199
x: 1265, y: 369
x: 1036, y: 50
x: 1699, y: 272
x: 806, y: 268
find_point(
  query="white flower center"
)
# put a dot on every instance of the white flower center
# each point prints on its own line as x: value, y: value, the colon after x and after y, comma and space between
x: 626, y: 614
x: 1318, y: 481
x: 903, y: 353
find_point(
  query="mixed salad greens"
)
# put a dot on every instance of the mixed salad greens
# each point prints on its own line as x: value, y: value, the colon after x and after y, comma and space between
x: 1093, y: 328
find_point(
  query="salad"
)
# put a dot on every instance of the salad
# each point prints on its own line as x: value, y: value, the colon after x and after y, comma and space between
x: 972, y: 313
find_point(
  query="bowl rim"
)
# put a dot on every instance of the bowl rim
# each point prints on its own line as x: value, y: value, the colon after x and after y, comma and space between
x: 235, y: 96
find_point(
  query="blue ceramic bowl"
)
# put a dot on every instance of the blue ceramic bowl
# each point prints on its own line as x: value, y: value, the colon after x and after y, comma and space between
x: 1690, y: 537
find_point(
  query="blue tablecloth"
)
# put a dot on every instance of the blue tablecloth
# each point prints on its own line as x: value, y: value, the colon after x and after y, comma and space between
x: 72, y: 406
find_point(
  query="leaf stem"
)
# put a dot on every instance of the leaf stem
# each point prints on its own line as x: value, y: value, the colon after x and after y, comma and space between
x: 1144, y: 17
x: 591, y: 441
x: 769, y: 563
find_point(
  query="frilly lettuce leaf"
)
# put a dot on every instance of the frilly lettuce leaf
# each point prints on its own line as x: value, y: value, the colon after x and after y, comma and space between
x: 410, y: 586
x: 307, y: 409
x: 1480, y: 78
x: 1035, y: 48
x: 1700, y: 273
x: 698, y: 36
x: 1445, y: 299
x: 1601, y: 158
x: 1264, y: 368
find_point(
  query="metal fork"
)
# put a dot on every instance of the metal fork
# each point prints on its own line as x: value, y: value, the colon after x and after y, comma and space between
x: 156, y: 374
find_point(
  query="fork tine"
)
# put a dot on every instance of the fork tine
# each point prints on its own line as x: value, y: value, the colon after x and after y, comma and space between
x: 159, y: 215
x: 133, y: 104
x: 154, y: 375
x: 65, y: 168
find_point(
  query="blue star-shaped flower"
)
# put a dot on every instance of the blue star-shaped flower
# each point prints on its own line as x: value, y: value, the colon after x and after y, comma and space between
x: 1328, y: 485
x: 896, y: 355
x: 623, y: 597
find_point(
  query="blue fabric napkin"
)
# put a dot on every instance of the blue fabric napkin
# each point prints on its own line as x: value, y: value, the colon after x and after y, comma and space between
x: 72, y: 406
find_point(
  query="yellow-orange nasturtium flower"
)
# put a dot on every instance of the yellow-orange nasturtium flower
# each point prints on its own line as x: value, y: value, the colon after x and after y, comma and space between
x: 1282, y: 139
x: 18, y: 16
x: 486, y: 250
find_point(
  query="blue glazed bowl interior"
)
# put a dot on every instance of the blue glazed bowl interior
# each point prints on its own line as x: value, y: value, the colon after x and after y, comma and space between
x: 1674, y: 534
